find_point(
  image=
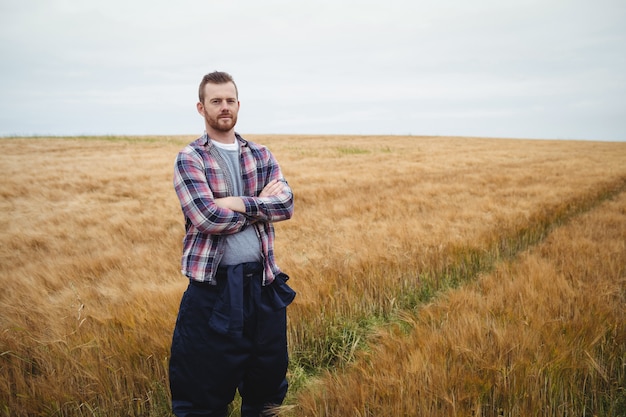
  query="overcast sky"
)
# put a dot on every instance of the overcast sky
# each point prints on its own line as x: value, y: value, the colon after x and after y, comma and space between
x: 553, y: 69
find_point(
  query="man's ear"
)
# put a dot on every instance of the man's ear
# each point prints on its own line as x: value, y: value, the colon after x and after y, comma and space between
x: 200, y: 108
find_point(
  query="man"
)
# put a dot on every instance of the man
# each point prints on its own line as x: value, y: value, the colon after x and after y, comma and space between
x: 231, y: 328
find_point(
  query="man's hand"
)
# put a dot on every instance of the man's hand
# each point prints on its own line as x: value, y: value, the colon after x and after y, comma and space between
x: 272, y: 188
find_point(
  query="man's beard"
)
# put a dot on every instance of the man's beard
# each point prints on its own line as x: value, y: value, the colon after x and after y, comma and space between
x: 221, y: 124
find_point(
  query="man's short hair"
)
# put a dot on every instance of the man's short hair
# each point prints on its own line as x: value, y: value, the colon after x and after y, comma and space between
x: 215, y: 77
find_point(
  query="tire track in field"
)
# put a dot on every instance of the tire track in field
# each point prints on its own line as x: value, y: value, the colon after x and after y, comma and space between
x: 465, y: 264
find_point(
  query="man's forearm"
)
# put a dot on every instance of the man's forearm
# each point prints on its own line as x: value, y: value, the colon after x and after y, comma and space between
x: 231, y: 203
x: 274, y: 187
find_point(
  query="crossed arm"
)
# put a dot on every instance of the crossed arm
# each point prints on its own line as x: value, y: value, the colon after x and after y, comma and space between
x: 273, y: 188
x: 227, y: 215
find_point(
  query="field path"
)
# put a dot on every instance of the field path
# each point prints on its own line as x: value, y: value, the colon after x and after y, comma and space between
x: 536, y: 324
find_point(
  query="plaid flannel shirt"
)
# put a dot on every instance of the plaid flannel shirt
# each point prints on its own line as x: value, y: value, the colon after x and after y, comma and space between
x: 200, y: 175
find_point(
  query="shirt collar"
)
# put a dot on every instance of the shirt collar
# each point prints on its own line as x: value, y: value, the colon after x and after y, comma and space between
x: 205, y: 140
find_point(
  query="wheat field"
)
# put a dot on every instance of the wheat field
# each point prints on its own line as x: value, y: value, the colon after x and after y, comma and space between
x: 436, y: 276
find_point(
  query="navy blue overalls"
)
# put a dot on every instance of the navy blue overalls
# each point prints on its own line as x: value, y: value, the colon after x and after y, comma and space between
x: 230, y: 336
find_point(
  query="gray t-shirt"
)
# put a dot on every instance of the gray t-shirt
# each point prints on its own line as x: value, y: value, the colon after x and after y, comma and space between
x: 244, y: 246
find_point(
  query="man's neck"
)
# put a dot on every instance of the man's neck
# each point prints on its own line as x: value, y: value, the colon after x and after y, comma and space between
x: 222, y: 137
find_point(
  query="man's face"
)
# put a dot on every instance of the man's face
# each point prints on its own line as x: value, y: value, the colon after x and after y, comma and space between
x: 220, y: 107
